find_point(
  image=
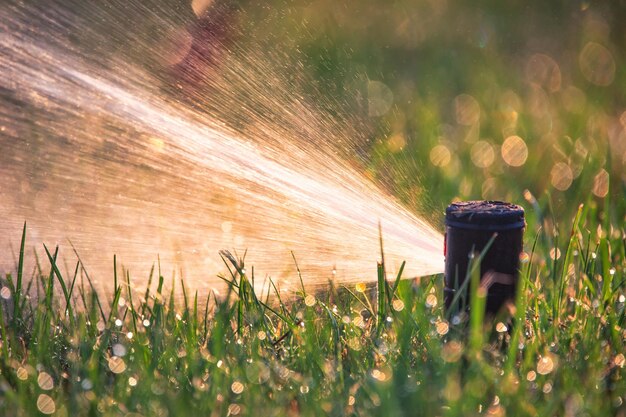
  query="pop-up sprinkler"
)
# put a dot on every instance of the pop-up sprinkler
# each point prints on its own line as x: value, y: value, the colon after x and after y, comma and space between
x: 494, y: 229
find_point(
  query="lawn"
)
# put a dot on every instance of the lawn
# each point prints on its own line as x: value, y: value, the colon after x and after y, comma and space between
x: 521, y: 102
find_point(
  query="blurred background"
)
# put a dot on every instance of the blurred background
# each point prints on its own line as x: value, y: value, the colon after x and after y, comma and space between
x: 456, y: 100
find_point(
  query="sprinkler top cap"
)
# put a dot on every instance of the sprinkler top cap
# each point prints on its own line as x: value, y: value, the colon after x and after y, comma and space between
x: 485, y: 215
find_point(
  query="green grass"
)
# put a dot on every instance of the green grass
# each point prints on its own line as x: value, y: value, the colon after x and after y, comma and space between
x: 390, y: 349
x: 385, y: 350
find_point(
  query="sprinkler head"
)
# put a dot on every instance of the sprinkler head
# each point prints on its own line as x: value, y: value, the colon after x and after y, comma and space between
x: 473, y: 227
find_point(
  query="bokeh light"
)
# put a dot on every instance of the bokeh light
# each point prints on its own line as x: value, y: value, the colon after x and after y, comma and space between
x: 440, y: 155
x: 541, y: 69
x: 561, y: 176
x: 45, y: 404
x: 396, y: 143
x: 514, y: 151
x: 601, y: 184
x: 597, y: 64
x: 482, y: 154
x: 467, y: 110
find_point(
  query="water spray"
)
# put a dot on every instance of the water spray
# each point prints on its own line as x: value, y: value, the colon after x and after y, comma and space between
x: 488, y: 232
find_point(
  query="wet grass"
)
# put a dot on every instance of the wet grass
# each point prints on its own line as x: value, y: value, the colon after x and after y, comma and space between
x: 383, y: 350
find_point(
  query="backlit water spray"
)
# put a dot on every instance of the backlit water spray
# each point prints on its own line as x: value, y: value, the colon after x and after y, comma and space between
x: 96, y: 152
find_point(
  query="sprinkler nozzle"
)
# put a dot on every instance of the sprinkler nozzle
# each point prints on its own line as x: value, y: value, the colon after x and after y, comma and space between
x: 494, y: 229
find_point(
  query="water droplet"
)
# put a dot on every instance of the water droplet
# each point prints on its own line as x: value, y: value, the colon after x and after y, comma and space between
x: 45, y: 404
x: 118, y: 323
x: 545, y: 365
x: 234, y: 409
x: 132, y: 381
x: 5, y: 293
x: 236, y: 387
x: 45, y: 381
x: 119, y: 350
x: 398, y: 305
x: 304, y: 389
x: 22, y: 373
x: 309, y: 300
x: 501, y: 327
x: 379, y: 375
x: 442, y: 327
x: 86, y: 384
x: 431, y: 301
x: 360, y: 287
x: 117, y: 364
x: 146, y: 323
x: 531, y: 376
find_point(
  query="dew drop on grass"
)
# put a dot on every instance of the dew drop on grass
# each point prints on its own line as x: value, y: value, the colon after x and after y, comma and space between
x: 442, y: 327
x: 431, y: 301
x: 452, y: 351
x: 119, y: 349
x: 501, y: 327
x: 360, y: 287
x: 45, y: 381
x: 22, y: 373
x: 309, y: 300
x: 351, y: 400
x: 132, y: 381
x: 398, y: 305
x: 304, y: 389
x: 117, y: 364
x: 234, y: 409
x: 118, y: 323
x: 86, y: 384
x: 236, y: 387
x: 261, y: 335
x: 545, y: 365
x: 146, y: 323
x: 621, y: 298
x: 547, y: 388
x: 45, y: 404
x: 531, y: 376
x: 619, y: 360
x: 5, y: 293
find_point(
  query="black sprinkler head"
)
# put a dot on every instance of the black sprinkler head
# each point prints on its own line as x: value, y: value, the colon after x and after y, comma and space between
x: 470, y: 227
